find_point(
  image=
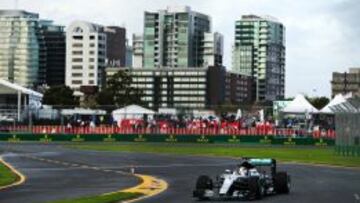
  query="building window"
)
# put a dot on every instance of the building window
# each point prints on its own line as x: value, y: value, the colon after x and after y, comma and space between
x: 91, y: 60
x: 92, y: 37
x: 77, y: 52
x: 92, y: 45
x: 78, y: 37
x: 77, y: 45
x: 91, y: 74
x: 91, y: 82
x: 76, y: 74
x: 91, y: 67
x: 78, y: 30
x: 77, y: 60
x: 76, y: 82
x: 77, y: 67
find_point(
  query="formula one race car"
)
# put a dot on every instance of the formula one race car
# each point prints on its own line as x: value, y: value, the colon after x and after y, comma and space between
x: 252, y: 179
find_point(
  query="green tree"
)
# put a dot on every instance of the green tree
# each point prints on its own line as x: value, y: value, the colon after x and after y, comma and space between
x: 118, y: 91
x: 60, y: 96
x: 90, y: 101
x: 319, y: 102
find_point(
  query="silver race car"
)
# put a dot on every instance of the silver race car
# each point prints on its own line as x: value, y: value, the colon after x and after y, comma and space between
x: 252, y: 179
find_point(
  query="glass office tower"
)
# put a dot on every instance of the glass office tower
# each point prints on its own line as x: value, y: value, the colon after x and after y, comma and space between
x: 19, y: 47
x: 174, y: 38
x: 259, y: 51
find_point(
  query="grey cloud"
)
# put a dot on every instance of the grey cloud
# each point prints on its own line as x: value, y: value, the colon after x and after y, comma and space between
x: 322, y: 35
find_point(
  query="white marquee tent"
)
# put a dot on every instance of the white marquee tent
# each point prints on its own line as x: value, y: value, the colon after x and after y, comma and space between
x: 131, y: 112
x: 338, y: 99
x: 300, y: 106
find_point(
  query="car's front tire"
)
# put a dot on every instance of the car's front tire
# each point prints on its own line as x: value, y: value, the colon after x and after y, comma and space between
x: 282, y: 183
x: 203, y: 183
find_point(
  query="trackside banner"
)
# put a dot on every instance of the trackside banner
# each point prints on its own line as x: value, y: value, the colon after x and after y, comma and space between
x: 168, y: 138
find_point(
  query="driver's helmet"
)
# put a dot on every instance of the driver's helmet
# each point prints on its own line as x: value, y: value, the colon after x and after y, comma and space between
x: 242, y: 171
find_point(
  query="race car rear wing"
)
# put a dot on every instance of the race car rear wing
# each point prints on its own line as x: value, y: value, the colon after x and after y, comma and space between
x: 262, y: 162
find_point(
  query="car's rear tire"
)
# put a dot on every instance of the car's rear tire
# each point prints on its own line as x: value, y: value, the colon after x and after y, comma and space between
x: 282, y: 183
x: 203, y: 183
x: 257, y: 190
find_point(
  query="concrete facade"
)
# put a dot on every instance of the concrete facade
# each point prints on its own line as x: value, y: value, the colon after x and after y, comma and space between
x: 85, y: 55
x: 347, y: 82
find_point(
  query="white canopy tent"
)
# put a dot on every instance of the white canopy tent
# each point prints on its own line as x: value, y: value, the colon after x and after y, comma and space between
x: 131, y: 112
x: 31, y: 99
x: 300, y: 106
x: 338, y: 99
x: 11, y: 88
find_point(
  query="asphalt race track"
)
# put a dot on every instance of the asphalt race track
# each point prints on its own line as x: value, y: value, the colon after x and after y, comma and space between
x: 54, y: 172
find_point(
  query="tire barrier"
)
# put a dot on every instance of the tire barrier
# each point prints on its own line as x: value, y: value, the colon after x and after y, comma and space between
x: 169, y: 138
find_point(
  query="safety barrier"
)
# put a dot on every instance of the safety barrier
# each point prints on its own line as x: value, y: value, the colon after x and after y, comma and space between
x: 175, y: 131
x: 169, y: 138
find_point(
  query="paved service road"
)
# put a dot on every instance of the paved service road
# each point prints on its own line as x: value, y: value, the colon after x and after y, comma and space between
x: 51, y: 180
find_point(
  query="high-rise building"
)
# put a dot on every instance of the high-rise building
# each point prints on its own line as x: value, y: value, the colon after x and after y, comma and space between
x: 115, y: 46
x: 174, y: 37
x: 259, y: 51
x: 213, y: 49
x: 138, y: 51
x: 85, y: 55
x: 52, y: 54
x: 19, y: 47
x: 347, y: 82
x: 32, y: 51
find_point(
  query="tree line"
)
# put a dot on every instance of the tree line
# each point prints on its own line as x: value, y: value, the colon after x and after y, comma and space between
x: 117, y: 92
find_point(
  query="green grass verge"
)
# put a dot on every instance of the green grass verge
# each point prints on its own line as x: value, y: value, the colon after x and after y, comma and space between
x: 7, y: 177
x: 314, y: 155
x: 108, y: 198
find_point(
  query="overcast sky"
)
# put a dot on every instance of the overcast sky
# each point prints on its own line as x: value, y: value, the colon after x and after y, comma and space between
x: 322, y: 36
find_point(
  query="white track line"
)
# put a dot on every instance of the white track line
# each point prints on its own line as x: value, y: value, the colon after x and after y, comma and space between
x: 170, y: 166
x: 78, y: 165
